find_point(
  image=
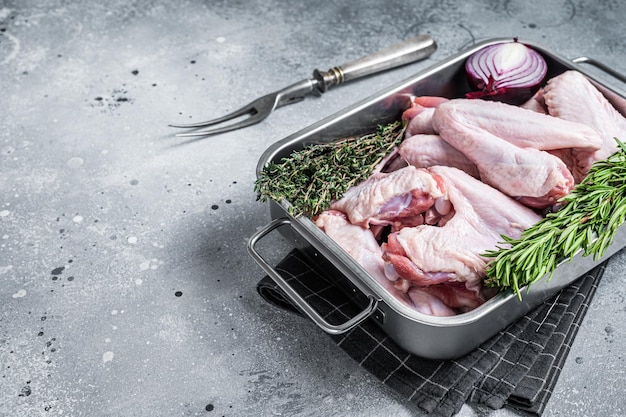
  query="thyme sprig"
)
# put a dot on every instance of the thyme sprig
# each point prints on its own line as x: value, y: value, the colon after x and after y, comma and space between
x: 311, y: 178
x: 591, y: 214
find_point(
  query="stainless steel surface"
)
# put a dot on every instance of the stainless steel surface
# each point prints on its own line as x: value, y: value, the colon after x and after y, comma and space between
x: 610, y: 71
x: 404, y: 53
x: 427, y: 336
x: 298, y: 300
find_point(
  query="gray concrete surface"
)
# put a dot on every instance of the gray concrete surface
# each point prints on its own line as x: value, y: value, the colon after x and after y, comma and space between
x: 125, y: 286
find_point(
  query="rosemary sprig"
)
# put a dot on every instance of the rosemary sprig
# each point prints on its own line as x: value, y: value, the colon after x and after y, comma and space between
x: 591, y: 214
x: 309, y: 179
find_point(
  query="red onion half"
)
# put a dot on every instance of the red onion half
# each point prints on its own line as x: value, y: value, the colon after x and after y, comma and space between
x: 510, y: 72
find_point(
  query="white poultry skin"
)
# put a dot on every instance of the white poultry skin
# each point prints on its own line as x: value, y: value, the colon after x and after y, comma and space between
x: 361, y: 245
x: 428, y: 255
x: 508, y: 144
x: 571, y: 96
x: 423, y: 151
x: 399, y: 197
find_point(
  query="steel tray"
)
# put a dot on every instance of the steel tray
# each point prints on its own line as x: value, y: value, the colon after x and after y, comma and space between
x: 420, y: 334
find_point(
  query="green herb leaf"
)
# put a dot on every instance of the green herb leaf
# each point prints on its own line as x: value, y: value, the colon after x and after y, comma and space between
x: 311, y: 178
x: 592, y: 213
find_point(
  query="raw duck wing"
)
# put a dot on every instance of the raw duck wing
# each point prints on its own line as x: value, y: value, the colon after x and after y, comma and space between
x: 617, y: 101
x: 423, y: 151
x: 536, y: 178
x: 357, y: 241
x: 430, y: 255
x: 527, y: 128
x: 361, y: 245
x: 386, y: 198
x: 520, y: 126
x: 571, y: 96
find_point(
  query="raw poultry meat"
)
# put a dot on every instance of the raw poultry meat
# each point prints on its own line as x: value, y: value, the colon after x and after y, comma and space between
x: 421, y: 123
x: 419, y: 115
x: 361, y: 245
x: 536, y: 103
x: 430, y: 257
x: 427, y: 255
x: 617, y: 101
x: 419, y: 103
x: 357, y: 241
x: 523, y: 128
x: 506, y: 142
x: 571, y: 96
x: 398, y: 198
x: 424, y: 151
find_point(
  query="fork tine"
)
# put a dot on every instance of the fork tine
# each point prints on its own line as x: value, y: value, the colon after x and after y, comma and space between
x: 255, y: 118
x: 248, y: 108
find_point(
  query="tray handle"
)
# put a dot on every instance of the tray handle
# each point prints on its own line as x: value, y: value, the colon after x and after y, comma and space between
x: 293, y: 295
x: 600, y: 66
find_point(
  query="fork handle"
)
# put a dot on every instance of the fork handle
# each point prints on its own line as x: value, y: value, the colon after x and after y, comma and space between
x: 411, y: 50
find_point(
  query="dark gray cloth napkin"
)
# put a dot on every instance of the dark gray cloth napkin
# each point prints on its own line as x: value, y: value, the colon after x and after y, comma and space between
x: 516, y: 368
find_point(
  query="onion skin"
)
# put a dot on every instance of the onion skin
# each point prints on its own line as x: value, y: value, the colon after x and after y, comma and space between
x: 510, y: 72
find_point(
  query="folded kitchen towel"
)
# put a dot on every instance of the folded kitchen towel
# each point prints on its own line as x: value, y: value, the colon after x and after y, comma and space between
x: 516, y: 368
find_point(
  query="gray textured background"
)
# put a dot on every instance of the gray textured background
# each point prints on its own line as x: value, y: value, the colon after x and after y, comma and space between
x: 104, y: 216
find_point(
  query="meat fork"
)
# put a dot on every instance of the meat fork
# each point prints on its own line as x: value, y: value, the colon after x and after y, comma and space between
x: 411, y: 50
